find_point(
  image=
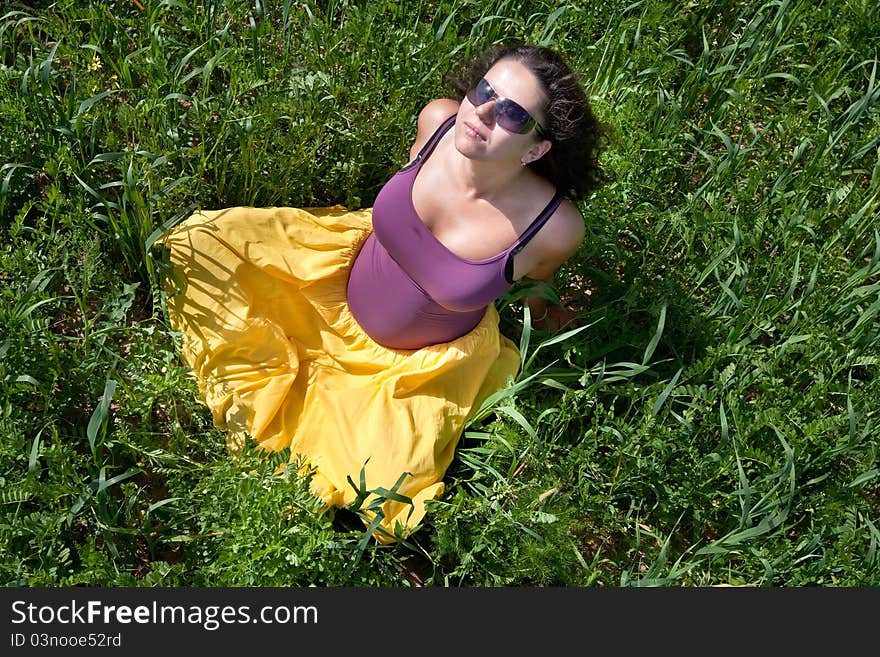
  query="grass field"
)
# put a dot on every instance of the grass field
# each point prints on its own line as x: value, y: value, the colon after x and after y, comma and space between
x: 716, y: 420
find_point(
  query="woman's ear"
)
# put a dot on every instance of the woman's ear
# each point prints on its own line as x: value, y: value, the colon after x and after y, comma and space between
x: 537, y: 151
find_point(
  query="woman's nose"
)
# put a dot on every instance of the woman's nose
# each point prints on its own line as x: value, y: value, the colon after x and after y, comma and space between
x: 486, y: 112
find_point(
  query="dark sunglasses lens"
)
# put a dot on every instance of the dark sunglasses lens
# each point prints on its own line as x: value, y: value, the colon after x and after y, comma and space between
x: 511, y: 116
x: 482, y: 93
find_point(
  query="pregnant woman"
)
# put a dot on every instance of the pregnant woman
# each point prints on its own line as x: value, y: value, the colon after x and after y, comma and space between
x: 365, y: 339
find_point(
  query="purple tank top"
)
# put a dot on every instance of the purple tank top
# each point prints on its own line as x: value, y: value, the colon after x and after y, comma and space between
x: 406, y: 289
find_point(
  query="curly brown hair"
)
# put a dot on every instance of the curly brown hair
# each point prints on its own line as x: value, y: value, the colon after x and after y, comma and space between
x: 578, y: 137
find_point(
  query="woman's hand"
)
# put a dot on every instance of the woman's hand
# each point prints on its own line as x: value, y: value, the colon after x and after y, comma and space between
x: 555, y: 318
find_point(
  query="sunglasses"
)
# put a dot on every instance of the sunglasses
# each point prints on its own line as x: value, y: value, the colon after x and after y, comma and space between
x: 508, y: 114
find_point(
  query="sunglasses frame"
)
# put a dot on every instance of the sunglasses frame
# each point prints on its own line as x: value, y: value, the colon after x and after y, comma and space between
x: 500, y: 103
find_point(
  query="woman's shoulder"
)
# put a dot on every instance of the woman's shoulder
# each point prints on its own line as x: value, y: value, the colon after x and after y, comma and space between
x: 430, y: 118
x: 556, y: 241
x: 564, y: 230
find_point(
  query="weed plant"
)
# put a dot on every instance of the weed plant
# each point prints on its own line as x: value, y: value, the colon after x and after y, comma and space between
x: 712, y: 417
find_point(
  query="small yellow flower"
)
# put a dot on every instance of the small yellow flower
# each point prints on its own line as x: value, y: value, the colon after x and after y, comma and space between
x: 95, y: 65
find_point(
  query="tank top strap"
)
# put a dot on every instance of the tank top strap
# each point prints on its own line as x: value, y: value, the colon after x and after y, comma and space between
x: 432, y: 142
x: 537, y: 224
x: 529, y: 233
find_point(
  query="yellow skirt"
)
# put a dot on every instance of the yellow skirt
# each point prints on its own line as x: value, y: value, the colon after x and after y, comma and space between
x: 260, y: 300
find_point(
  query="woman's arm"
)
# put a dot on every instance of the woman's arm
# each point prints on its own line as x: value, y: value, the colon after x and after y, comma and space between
x: 559, y: 240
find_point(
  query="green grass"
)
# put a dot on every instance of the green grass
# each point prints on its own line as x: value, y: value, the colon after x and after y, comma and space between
x: 715, y: 420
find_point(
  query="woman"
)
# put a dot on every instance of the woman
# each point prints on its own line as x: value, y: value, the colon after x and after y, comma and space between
x: 364, y: 340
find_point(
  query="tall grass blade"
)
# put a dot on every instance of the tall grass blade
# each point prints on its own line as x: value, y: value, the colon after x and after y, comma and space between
x: 655, y: 340
x: 35, y: 451
x: 99, y: 416
x: 666, y: 392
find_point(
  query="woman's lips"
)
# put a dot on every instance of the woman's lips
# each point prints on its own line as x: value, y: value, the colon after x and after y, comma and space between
x: 473, y: 133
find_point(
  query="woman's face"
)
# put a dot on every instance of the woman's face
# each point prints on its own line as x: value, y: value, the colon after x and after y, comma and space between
x: 477, y: 134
